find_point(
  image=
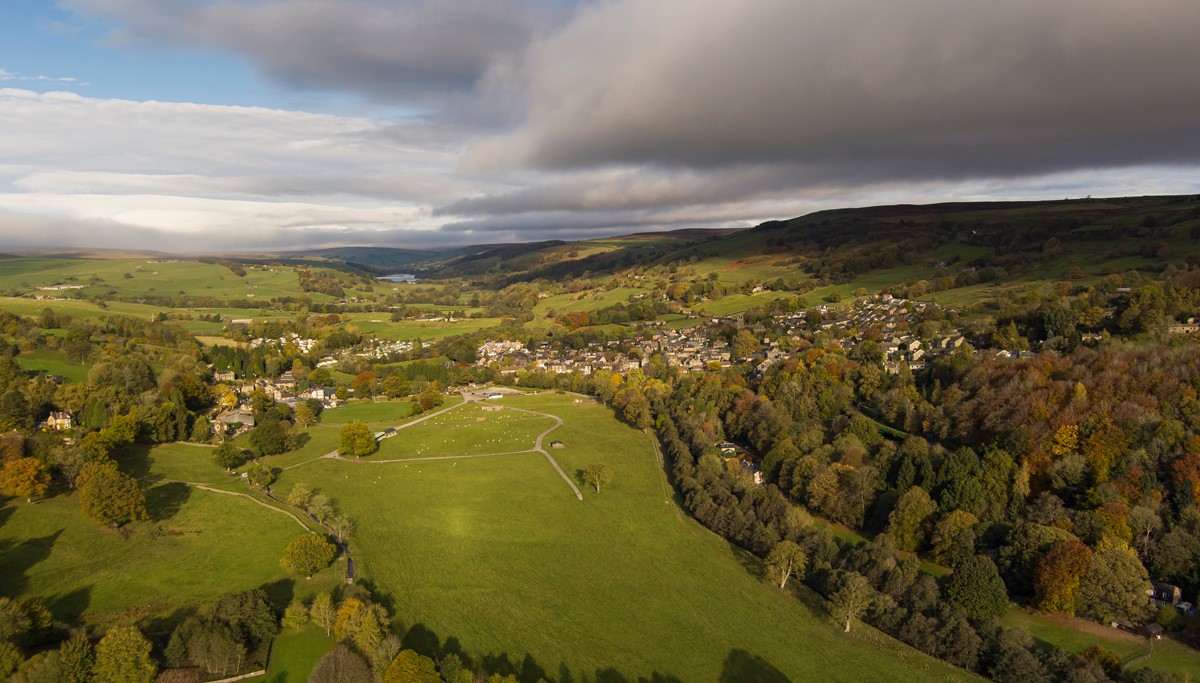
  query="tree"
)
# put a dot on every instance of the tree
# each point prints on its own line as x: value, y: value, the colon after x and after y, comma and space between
x: 744, y: 344
x: 1057, y: 575
x: 1114, y: 584
x: 109, y: 496
x: 24, y: 478
x: 411, y: 667
x: 954, y: 537
x: 357, y: 441
x: 304, y: 415
x: 75, y: 660
x: 364, y: 384
x: 300, y: 495
x: 976, y: 589
x: 852, y: 599
x: 341, y: 665
x: 323, y: 613
x: 908, y: 521
x: 341, y: 393
x: 785, y: 560
x: 341, y: 526
x: 259, y: 475
x: 123, y: 656
x: 395, y: 385
x: 597, y: 475
x: 296, y: 614
x: 228, y: 456
x: 429, y: 399
x: 307, y: 555
x: 269, y: 437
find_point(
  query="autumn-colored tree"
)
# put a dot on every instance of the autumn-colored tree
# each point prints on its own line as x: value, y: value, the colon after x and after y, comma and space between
x: 357, y: 441
x: 1102, y: 446
x: 109, y: 496
x: 395, y: 385
x: 411, y: 667
x: 304, y: 415
x: 364, y: 384
x: 123, y: 656
x: 25, y: 478
x: 1057, y: 575
x: 348, y: 615
x: 1063, y: 441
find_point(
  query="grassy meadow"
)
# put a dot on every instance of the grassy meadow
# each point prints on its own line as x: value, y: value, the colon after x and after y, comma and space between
x: 496, y: 557
x: 197, y: 546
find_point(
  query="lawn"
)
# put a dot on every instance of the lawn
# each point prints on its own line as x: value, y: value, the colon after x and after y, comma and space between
x: 466, y: 431
x: 497, y: 554
x: 54, y: 363
x: 294, y: 654
x: 1076, y: 635
x: 367, y: 411
x: 197, y: 546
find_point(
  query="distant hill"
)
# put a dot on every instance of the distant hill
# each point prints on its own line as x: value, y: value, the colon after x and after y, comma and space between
x: 901, y: 243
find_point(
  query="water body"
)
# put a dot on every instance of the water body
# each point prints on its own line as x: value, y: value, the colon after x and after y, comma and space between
x: 400, y: 277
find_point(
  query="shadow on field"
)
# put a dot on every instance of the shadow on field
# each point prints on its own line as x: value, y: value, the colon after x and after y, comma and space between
x: 280, y: 592
x: 18, y: 558
x: 753, y: 566
x: 68, y: 607
x: 423, y: 640
x: 743, y: 667
x: 165, y: 500
x: 135, y: 461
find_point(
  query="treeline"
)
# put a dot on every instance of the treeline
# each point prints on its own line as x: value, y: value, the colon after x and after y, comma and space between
x: 1063, y: 481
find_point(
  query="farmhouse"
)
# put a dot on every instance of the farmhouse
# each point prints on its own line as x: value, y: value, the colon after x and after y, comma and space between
x: 1165, y: 594
x: 58, y: 422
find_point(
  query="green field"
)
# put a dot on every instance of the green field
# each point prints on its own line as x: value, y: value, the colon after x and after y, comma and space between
x: 197, y: 546
x: 499, y: 555
x: 368, y: 411
x: 466, y: 431
x: 294, y: 654
x: 1076, y: 635
x: 54, y: 363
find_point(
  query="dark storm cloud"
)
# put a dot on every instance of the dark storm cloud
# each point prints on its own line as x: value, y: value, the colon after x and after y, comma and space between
x: 408, y: 51
x: 857, y: 91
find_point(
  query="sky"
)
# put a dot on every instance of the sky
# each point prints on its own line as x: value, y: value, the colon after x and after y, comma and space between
x: 254, y: 125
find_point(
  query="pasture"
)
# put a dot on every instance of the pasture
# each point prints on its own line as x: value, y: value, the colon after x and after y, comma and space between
x: 497, y: 554
x: 49, y: 362
x: 197, y: 546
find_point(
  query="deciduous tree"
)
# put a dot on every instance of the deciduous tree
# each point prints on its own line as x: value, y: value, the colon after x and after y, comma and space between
x: 228, y: 456
x: 308, y: 555
x: 411, y: 667
x: 852, y: 600
x: 123, y: 656
x: 785, y: 560
x: 908, y: 521
x: 357, y: 441
x: 109, y: 496
x: 25, y: 478
x: 1114, y: 584
x: 597, y: 475
x: 1057, y: 574
x: 322, y: 612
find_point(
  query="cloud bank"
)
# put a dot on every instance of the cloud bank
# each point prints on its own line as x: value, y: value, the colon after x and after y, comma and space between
x: 531, y: 119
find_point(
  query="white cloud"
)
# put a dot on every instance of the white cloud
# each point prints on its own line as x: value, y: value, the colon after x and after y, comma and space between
x: 179, y: 168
